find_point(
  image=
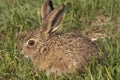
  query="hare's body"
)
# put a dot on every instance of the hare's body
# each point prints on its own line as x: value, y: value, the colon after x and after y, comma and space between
x: 57, y: 53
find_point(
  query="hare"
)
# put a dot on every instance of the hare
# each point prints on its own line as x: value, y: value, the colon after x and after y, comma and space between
x: 57, y: 53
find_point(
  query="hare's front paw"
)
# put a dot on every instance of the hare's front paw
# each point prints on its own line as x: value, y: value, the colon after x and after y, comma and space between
x: 54, y: 70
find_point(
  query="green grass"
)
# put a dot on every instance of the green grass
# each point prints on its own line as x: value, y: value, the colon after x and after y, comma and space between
x: 20, y: 16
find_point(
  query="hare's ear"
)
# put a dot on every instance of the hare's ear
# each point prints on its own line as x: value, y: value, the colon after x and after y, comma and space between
x: 46, y: 8
x: 53, y: 20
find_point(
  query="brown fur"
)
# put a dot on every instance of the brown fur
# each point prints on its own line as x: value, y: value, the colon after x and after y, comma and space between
x: 57, y: 53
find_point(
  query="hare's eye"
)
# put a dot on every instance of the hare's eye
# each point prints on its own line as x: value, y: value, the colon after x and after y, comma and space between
x: 31, y: 42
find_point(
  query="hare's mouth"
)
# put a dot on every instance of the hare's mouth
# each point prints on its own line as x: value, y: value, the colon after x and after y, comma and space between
x: 22, y: 52
x: 26, y: 56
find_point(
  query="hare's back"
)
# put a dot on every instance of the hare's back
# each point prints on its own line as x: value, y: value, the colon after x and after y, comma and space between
x: 75, y: 44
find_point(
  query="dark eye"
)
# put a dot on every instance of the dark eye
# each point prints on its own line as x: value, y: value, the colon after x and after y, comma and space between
x: 31, y: 42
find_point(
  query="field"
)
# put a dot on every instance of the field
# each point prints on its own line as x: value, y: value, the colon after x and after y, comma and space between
x: 89, y: 17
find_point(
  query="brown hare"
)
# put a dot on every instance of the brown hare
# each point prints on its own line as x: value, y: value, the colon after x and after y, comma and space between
x: 57, y: 53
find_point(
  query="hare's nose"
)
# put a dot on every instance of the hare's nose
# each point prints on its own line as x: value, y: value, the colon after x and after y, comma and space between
x: 21, y: 49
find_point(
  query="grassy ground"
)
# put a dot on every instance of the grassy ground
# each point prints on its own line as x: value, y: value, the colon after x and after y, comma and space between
x: 20, y: 16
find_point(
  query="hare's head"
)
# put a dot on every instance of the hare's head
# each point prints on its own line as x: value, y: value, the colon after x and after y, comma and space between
x: 51, y: 18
